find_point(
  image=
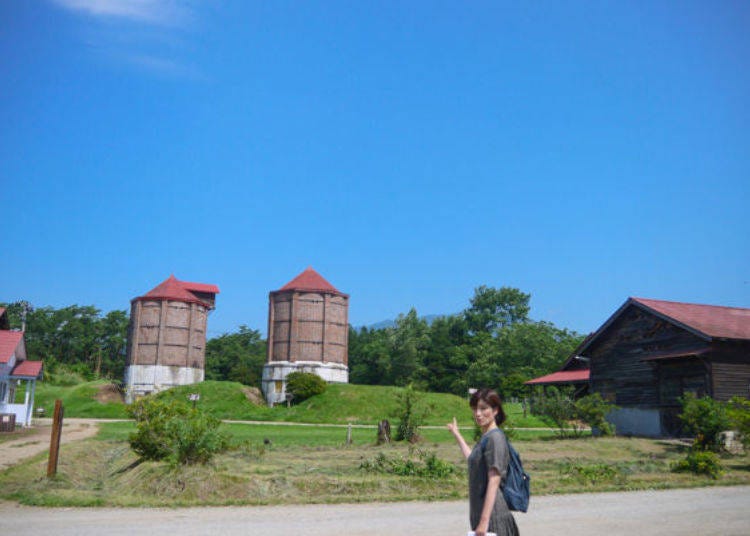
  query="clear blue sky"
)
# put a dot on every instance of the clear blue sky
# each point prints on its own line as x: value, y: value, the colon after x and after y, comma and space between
x: 583, y: 152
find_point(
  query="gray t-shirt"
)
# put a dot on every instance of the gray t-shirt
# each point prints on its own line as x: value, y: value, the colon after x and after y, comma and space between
x: 481, y: 460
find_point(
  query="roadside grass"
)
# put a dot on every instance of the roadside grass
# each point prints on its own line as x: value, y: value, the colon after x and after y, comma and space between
x: 304, y: 464
x: 340, y: 404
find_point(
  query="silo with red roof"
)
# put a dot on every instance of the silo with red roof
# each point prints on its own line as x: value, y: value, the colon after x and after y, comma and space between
x: 167, y: 336
x: 308, y: 331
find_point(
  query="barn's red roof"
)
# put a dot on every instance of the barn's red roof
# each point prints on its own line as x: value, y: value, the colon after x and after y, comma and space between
x: 9, y: 341
x: 310, y: 280
x: 564, y: 376
x: 711, y: 321
x: 27, y: 369
x: 174, y: 289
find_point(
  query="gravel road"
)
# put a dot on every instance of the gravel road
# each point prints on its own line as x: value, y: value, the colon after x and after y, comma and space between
x: 716, y: 511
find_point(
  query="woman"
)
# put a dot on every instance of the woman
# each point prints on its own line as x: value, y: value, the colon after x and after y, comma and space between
x: 488, y: 465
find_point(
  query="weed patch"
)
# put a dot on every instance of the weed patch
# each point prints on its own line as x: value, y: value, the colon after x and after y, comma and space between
x: 426, y: 465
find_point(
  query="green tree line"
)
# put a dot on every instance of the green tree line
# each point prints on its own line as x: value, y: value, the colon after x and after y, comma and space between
x: 493, y: 342
x: 77, y: 337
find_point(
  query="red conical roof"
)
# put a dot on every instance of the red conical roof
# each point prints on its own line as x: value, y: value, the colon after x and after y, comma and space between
x: 174, y: 289
x: 310, y: 280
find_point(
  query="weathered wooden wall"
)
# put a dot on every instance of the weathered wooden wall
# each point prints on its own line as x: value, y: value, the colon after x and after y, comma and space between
x: 618, y: 369
x: 731, y: 370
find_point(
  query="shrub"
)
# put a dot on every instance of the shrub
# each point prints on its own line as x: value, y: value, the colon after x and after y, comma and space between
x: 411, y: 414
x: 150, y: 440
x: 738, y: 412
x: 706, y: 419
x: 592, y: 474
x: 558, y: 406
x: 174, y: 432
x: 593, y: 409
x: 304, y: 385
x: 427, y: 465
x: 701, y: 463
x: 196, y: 439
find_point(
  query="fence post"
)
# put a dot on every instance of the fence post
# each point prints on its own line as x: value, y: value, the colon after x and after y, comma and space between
x: 54, y: 443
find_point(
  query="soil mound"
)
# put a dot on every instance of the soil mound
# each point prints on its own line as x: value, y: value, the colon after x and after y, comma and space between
x: 254, y: 395
x: 109, y: 394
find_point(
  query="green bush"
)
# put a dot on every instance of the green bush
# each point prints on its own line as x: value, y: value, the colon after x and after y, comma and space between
x: 65, y: 374
x: 569, y: 415
x: 174, y: 432
x: 738, y: 412
x: 592, y: 474
x: 593, y: 410
x: 557, y: 405
x: 700, y: 462
x: 705, y: 418
x: 427, y: 465
x: 304, y: 385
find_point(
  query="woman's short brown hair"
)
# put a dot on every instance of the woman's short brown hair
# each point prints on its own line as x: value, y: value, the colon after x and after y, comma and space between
x: 492, y: 399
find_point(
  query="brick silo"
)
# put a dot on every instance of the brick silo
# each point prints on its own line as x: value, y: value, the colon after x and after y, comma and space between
x: 167, y: 337
x: 308, y: 331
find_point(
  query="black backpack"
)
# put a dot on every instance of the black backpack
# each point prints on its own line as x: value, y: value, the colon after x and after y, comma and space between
x: 517, y: 487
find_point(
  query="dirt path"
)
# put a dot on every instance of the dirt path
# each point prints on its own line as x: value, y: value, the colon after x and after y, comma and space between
x: 32, y: 442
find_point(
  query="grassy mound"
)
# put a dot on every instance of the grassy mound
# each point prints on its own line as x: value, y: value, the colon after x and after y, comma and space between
x: 339, y: 404
x: 90, y: 399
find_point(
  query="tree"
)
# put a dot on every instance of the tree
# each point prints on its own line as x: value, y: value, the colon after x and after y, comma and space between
x: 492, y: 309
x: 236, y: 357
x: 73, y: 341
x: 369, y: 356
x: 411, y: 413
x: 409, y: 342
x: 444, y: 364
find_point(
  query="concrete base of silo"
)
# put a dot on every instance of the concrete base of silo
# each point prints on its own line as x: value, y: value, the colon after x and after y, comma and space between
x: 141, y: 380
x: 274, y: 376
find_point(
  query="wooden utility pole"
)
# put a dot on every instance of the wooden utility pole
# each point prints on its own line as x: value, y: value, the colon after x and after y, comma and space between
x: 54, y: 443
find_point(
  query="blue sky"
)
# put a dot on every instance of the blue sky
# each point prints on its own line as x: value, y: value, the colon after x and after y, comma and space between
x: 583, y: 152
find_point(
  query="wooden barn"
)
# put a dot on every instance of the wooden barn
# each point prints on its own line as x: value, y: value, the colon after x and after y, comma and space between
x: 649, y: 353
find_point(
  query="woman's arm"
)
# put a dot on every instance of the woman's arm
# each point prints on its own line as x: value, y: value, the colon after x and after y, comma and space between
x: 453, y: 427
x: 493, y: 485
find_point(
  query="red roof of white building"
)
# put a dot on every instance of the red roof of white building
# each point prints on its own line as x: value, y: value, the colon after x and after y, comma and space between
x: 27, y: 369
x: 310, y: 281
x: 174, y: 289
x: 9, y: 341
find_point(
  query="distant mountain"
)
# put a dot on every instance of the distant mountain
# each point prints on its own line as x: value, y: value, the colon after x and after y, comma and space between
x: 383, y: 324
